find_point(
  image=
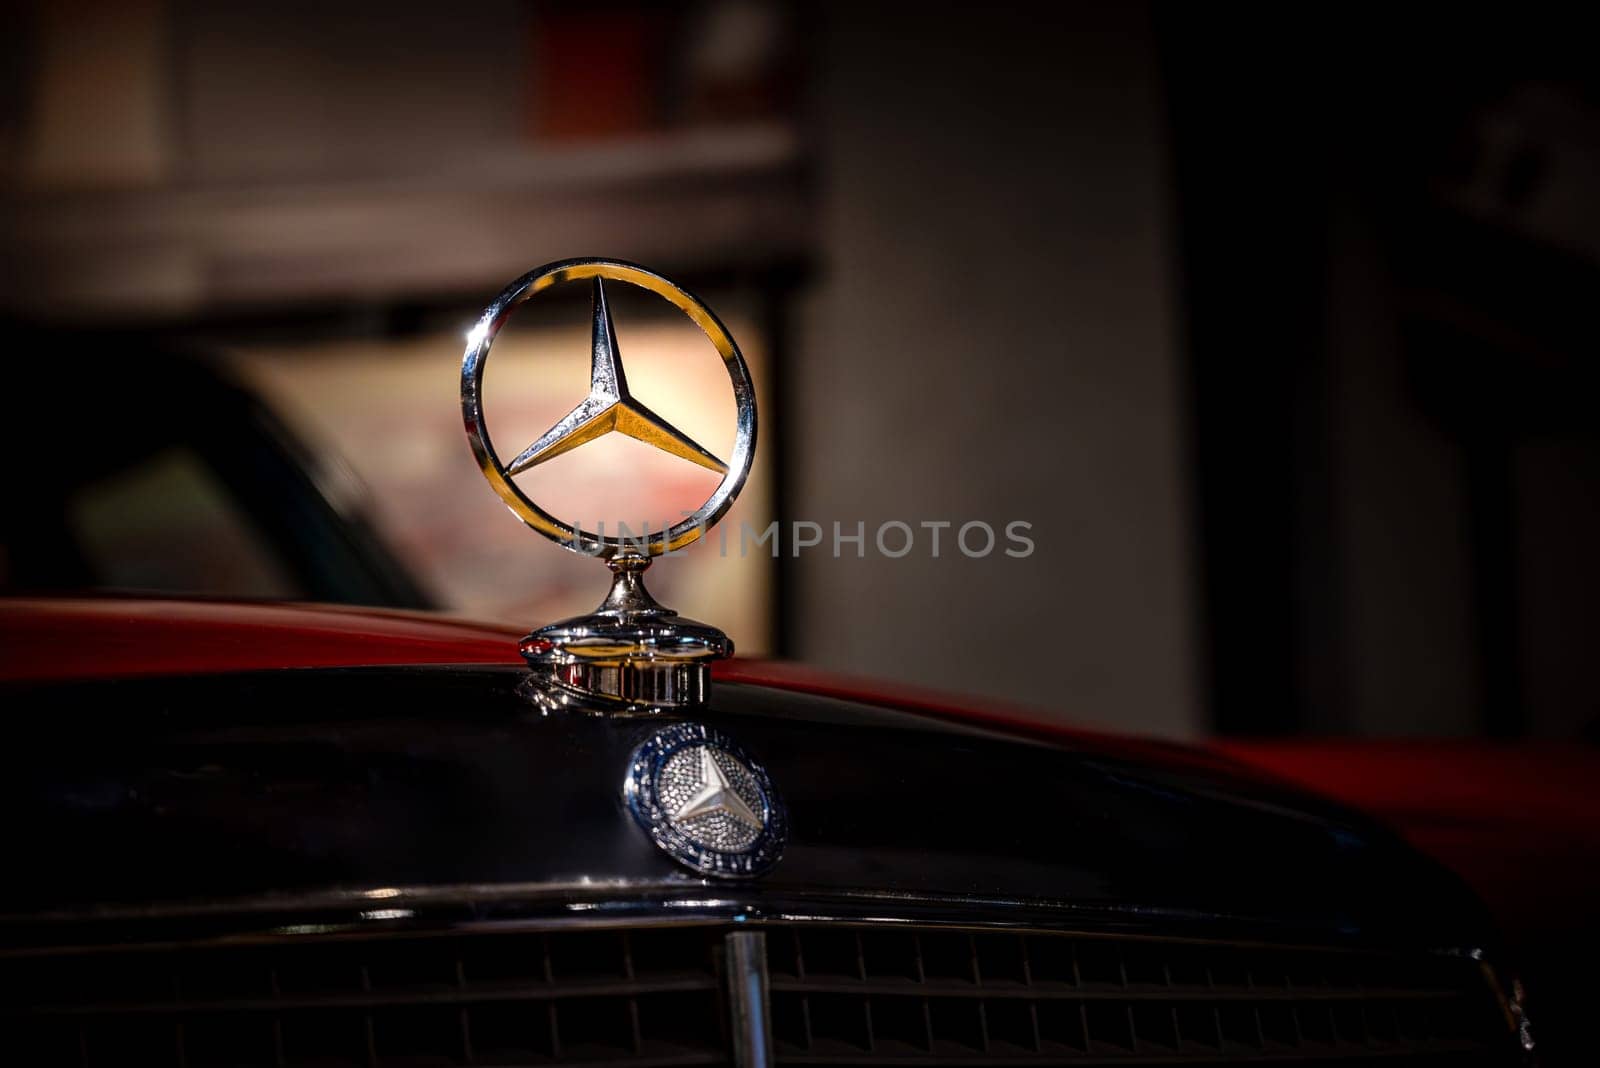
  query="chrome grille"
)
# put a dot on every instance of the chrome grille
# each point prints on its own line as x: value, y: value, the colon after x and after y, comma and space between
x: 653, y: 997
x: 912, y: 997
x: 645, y: 998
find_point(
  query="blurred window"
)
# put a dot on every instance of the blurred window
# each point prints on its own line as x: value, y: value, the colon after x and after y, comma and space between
x: 170, y: 524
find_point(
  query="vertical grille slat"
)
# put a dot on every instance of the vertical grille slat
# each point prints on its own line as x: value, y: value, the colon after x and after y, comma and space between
x: 635, y: 1034
x: 655, y: 997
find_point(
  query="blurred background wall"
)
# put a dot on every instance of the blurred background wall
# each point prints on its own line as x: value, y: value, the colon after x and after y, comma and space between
x: 994, y: 336
x: 1275, y: 325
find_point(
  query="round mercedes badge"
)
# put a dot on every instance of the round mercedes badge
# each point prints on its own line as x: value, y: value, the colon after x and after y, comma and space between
x: 706, y: 802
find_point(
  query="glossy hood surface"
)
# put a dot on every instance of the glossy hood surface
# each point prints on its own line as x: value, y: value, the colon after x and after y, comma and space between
x: 328, y: 787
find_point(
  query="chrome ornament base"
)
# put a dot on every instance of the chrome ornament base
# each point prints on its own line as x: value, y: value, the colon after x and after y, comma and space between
x: 632, y: 650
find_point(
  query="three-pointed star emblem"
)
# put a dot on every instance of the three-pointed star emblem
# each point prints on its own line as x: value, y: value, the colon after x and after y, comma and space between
x: 610, y: 407
x: 716, y: 794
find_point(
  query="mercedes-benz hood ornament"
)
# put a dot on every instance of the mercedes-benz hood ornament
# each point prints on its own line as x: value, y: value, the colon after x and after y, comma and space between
x: 631, y: 650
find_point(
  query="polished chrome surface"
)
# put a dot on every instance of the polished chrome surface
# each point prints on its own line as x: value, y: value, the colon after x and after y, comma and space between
x: 630, y: 652
x: 608, y: 407
x: 745, y: 972
x: 705, y: 802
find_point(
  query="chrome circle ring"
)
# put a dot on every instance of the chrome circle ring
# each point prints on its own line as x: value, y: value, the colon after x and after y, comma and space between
x: 500, y: 475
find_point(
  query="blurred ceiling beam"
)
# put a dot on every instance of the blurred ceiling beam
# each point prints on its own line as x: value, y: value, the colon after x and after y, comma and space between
x: 727, y: 197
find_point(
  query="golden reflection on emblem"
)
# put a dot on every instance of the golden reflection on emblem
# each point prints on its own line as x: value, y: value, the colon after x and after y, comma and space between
x: 609, y: 408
